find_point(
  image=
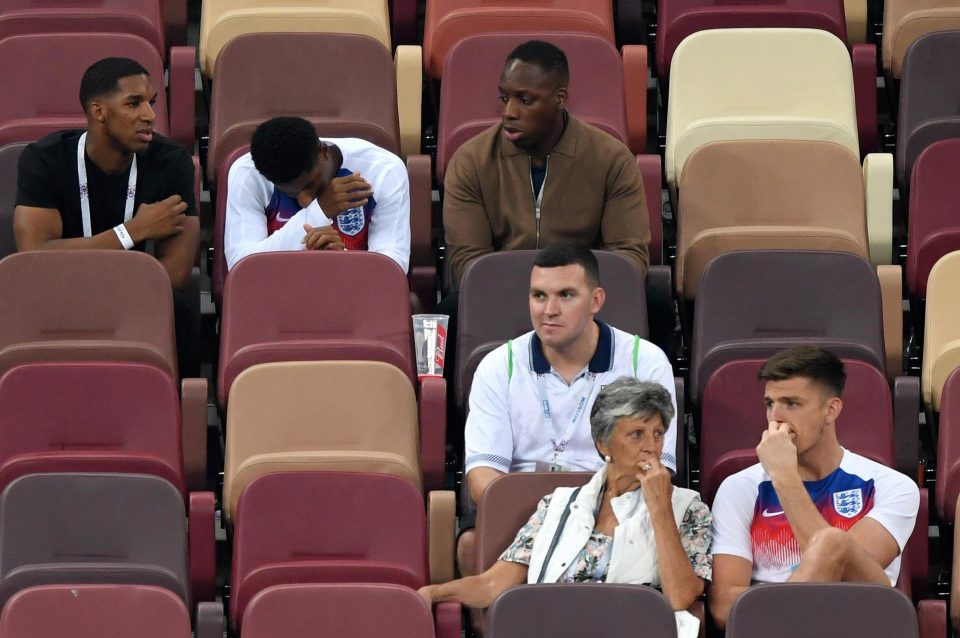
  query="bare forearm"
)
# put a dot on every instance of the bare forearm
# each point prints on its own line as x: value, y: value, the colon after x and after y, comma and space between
x: 478, y: 479
x: 107, y: 240
x: 481, y: 590
x: 680, y: 584
x: 178, y: 253
x: 803, y: 515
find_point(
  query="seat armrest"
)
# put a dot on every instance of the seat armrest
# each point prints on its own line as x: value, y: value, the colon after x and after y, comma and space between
x: 182, y: 99
x: 932, y: 618
x: 906, y: 424
x: 878, y: 190
x: 891, y: 296
x: 202, y: 544
x: 447, y: 619
x: 441, y: 529
x: 433, y: 431
x: 193, y: 423
x: 864, y: 58
x: 211, y: 622
x: 423, y: 266
x: 651, y: 169
x: 635, y: 94
x: 408, y: 65
x: 681, y: 479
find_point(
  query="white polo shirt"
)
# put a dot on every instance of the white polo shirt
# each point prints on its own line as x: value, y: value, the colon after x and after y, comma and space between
x: 506, y: 429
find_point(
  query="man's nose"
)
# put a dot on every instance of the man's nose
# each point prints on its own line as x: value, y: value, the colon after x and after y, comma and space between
x: 147, y: 113
x: 510, y: 109
x: 552, y: 306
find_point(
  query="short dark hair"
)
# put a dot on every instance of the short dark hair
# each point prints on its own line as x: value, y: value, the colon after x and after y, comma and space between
x: 284, y: 148
x: 819, y: 365
x: 102, y: 78
x: 550, y: 58
x: 565, y: 252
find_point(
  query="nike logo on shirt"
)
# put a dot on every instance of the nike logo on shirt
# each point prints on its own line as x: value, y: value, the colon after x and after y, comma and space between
x: 768, y: 514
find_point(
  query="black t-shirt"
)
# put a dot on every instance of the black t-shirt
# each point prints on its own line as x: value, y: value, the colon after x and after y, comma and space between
x: 47, y: 178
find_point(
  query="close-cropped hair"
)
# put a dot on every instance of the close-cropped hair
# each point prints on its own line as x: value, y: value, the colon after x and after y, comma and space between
x: 102, y: 78
x: 284, y: 148
x: 567, y: 253
x: 550, y: 58
x: 819, y: 365
x: 627, y: 397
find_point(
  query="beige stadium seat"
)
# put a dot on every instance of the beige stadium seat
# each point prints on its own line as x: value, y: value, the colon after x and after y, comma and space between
x: 941, y: 342
x: 767, y: 194
x: 223, y: 20
x: 855, y: 12
x: 728, y: 84
x: 906, y: 20
x: 320, y: 415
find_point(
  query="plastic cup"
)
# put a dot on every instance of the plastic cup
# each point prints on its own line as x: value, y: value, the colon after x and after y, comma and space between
x: 430, y: 343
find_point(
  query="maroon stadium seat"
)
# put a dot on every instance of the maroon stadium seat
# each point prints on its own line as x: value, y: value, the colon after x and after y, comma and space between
x: 783, y: 303
x: 676, y: 19
x: 355, y: 610
x: 326, y: 527
x: 448, y: 22
x: 89, y: 417
x: 934, y: 221
x: 92, y: 528
x: 929, y: 91
x: 95, y: 611
x: 40, y: 106
x: 733, y: 417
x: 792, y: 610
x: 581, y: 609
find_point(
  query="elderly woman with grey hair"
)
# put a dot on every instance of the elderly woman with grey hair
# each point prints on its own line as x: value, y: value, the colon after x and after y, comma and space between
x: 628, y: 524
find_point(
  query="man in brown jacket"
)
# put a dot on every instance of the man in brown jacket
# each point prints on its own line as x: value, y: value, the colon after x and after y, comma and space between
x: 541, y: 174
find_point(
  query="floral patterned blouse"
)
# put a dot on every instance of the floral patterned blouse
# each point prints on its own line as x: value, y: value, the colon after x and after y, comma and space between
x: 695, y: 536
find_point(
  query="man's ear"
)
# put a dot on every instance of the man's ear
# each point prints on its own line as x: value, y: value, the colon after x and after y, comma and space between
x: 599, y: 296
x: 561, y: 95
x: 96, y: 111
x: 834, y: 407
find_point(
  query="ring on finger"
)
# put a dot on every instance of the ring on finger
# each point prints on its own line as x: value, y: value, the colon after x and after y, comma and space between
x: 646, y: 467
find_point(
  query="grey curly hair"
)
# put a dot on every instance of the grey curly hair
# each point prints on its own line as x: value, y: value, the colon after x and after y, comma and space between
x: 627, y: 397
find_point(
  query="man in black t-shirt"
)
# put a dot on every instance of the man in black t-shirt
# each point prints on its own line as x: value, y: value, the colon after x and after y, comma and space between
x: 126, y: 185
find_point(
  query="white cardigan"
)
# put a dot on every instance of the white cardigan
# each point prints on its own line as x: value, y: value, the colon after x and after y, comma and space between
x: 634, y: 558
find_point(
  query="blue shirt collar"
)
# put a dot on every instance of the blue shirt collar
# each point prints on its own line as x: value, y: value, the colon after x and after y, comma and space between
x: 602, y: 360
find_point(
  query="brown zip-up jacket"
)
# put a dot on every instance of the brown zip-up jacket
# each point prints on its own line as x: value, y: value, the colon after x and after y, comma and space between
x: 593, y: 192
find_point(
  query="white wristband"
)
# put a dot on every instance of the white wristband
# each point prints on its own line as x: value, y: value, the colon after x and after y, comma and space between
x: 123, y: 236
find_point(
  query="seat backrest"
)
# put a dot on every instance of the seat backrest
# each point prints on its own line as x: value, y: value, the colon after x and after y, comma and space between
x: 222, y: 21
x: 367, y: 422
x: 508, y: 502
x: 448, y: 22
x: 92, y: 528
x: 101, y: 305
x: 95, y: 611
x: 948, y: 449
x: 785, y: 302
x: 337, y: 305
x: 728, y: 84
x: 39, y: 106
x: 494, y: 305
x: 933, y: 222
x: 468, y: 94
x: 841, y: 609
x: 354, y: 610
x: 82, y: 417
x: 143, y: 18
x: 929, y: 94
x: 316, y: 527
x: 345, y: 85
x: 569, y: 609
x: 733, y: 418
x: 941, y: 335
x: 905, y: 21
x: 9, y: 157
x: 754, y: 194
x: 676, y: 19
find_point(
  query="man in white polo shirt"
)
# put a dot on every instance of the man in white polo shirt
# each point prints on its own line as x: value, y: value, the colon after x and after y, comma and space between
x: 531, y: 397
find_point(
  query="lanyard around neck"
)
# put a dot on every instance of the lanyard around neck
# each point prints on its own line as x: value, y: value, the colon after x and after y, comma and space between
x: 85, y: 189
x: 558, y: 439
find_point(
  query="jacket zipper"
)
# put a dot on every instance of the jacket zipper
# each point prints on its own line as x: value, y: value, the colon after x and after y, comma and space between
x: 538, y: 199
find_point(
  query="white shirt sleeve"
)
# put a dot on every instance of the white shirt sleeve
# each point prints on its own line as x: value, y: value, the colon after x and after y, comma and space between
x: 896, y: 505
x: 390, y: 222
x: 732, y: 517
x: 653, y: 365
x: 245, y: 228
x: 488, y: 437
